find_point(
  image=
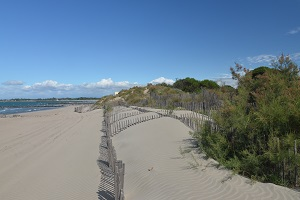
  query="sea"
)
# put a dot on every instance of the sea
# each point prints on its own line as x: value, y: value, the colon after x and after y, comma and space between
x: 15, y: 107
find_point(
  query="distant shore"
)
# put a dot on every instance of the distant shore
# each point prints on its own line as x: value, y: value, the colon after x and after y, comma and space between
x: 10, y: 107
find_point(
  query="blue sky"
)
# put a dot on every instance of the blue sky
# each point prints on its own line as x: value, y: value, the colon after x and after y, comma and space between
x: 73, y: 48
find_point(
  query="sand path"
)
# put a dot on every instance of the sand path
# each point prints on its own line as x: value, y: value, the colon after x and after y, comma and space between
x: 162, y: 163
x: 50, y: 155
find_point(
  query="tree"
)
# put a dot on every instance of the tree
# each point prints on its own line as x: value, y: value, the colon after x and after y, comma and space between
x: 259, y: 71
x: 209, y: 84
x: 187, y: 85
x: 192, y: 85
x: 287, y: 67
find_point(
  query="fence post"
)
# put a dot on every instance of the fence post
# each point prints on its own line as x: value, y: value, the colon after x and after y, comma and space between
x: 295, y: 153
x: 122, y: 176
x: 116, y: 182
x: 122, y: 195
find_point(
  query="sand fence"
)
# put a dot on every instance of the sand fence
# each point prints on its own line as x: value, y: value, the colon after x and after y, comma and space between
x: 83, y: 108
x: 119, y: 119
x: 112, y: 170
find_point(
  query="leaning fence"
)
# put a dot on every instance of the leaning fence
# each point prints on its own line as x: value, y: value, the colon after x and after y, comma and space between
x: 120, y: 118
x: 198, y: 113
x: 117, y: 122
x: 117, y: 167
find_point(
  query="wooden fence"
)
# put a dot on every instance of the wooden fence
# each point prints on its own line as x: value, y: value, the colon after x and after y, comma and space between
x: 121, y: 118
x: 119, y: 121
x: 83, y: 108
x: 116, y: 166
x: 199, y: 112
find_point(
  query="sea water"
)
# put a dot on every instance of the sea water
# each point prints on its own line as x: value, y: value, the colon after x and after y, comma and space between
x: 14, y: 107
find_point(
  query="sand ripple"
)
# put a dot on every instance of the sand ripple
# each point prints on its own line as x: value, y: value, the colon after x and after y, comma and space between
x: 50, y: 155
x: 163, y: 163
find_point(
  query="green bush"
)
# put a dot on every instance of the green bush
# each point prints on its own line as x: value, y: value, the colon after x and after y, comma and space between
x: 259, y: 125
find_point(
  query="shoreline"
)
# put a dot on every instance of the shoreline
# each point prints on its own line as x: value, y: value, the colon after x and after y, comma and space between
x: 25, y: 106
x: 32, y: 110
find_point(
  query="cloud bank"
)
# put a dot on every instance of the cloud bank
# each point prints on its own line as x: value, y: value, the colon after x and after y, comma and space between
x: 52, y: 88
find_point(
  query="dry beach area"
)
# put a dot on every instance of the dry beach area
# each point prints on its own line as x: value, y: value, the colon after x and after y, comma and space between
x: 54, y: 155
x: 50, y: 155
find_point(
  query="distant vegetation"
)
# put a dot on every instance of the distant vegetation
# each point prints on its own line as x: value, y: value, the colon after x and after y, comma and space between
x: 258, y: 123
x: 194, y: 86
x: 164, y: 95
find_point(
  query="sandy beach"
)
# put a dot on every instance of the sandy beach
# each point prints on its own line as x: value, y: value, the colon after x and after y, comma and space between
x: 50, y: 155
x: 53, y: 155
x: 162, y: 162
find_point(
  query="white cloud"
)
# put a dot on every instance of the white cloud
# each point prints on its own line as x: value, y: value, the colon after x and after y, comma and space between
x: 295, y: 56
x: 264, y: 58
x: 108, y: 83
x: 226, y: 79
x: 51, y: 88
x: 13, y: 82
x: 104, y: 83
x: 48, y: 85
x: 294, y: 31
x: 268, y: 58
x: 162, y: 80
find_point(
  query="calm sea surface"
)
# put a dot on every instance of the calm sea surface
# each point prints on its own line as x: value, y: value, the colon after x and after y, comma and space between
x: 14, y: 107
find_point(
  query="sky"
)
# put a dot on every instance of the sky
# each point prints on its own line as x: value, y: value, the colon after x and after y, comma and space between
x: 91, y: 48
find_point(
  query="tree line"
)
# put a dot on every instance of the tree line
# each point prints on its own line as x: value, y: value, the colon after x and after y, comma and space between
x: 192, y: 85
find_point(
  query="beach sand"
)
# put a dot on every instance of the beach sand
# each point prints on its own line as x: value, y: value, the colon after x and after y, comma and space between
x: 162, y: 162
x: 50, y: 155
x: 53, y: 155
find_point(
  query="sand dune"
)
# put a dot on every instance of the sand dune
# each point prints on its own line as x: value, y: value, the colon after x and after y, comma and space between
x: 50, y: 155
x: 163, y: 163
